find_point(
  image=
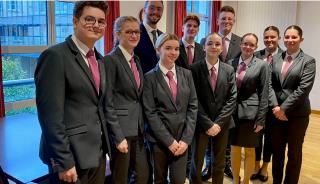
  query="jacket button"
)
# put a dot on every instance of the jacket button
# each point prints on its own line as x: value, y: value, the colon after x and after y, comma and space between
x: 98, y: 122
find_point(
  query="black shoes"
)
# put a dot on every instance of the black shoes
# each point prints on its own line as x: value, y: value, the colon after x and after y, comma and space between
x: 259, y: 176
x: 206, y: 174
x: 228, y: 171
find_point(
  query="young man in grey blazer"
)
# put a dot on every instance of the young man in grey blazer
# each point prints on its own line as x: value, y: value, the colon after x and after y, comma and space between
x: 70, y: 90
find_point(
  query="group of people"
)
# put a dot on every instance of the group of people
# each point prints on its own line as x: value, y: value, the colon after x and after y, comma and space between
x: 160, y: 106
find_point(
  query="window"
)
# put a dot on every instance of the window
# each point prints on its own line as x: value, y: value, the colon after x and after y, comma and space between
x: 203, y: 10
x: 26, y: 29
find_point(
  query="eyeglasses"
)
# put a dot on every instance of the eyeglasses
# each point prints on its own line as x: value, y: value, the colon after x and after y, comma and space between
x: 89, y: 20
x: 131, y: 32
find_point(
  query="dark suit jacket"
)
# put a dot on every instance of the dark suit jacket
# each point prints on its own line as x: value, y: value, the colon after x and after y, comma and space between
x: 167, y: 120
x: 214, y: 106
x: 182, y: 60
x: 124, y: 101
x: 292, y: 94
x: 261, y: 54
x: 233, y: 50
x: 70, y: 110
x: 146, y: 51
x: 252, y: 99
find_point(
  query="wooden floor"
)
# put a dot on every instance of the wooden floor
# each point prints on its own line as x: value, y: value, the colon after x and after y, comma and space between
x: 310, y: 172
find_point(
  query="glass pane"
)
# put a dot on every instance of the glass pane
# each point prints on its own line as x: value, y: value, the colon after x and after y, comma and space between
x: 18, y: 71
x: 189, y: 6
x: 23, y: 23
x: 64, y: 27
x: 30, y: 110
x: 203, y: 31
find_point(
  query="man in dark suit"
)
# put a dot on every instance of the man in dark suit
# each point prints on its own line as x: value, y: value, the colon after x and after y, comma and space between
x: 145, y: 49
x: 70, y: 90
x: 190, y: 51
x: 216, y: 105
x: 231, y: 49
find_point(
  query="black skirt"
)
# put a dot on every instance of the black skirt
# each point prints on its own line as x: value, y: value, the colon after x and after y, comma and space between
x: 243, y: 134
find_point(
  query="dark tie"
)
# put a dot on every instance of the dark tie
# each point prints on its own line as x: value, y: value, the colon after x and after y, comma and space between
x: 189, y: 54
x: 93, y: 65
x: 135, y: 71
x: 213, y: 78
x: 172, y: 84
x: 269, y: 58
x: 241, y: 73
x: 154, y: 36
x: 224, y: 49
x: 286, y: 66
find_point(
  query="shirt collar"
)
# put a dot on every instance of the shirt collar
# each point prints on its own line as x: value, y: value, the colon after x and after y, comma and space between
x: 80, y: 45
x: 126, y: 54
x: 294, y: 55
x: 274, y: 53
x: 186, y: 44
x: 247, y: 61
x: 164, y: 70
x: 228, y: 36
x: 148, y: 28
x: 216, y: 66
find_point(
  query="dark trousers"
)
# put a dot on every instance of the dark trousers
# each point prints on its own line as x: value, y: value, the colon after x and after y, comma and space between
x: 85, y: 176
x: 265, y: 141
x: 218, y: 151
x: 165, y: 162
x: 135, y: 160
x: 290, y: 132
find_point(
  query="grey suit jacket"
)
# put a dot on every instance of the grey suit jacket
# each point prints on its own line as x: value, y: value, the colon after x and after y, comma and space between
x: 70, y: 109
x: 199, y: 54
x: 215, y: 107
x: 124, y: 102
x: 169, y: 120
x: 292, y: 94
x: 252, y: 100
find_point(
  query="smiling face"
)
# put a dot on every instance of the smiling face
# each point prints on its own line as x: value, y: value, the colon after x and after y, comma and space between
x: 213, y: 46
x: 271, y: 40
x: 153, y: 12
x: 292, y: 40
x: 129, y: 35
x: 169, y: 52
x: 225, y: 22
x: 88, y: 33
x: 248, y: 46
x: 190, y: 29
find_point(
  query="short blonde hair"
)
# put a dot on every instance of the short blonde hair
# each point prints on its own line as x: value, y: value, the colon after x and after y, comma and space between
x: 163, y: 38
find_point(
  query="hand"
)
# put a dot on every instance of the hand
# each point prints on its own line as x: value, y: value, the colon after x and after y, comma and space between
x: 123, y: 146
x: 279, y: 113
x: 182, y: 148
x: 257, y: 128
x: 214, y: 130
x: 174, y: 147
x: 69, y: 175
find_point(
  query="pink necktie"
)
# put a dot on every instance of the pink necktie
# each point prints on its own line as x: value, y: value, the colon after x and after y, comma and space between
x: 224, y: 49
x: 213, y: 78
x: 286, y: 66
x: 172, y: 84
x: 135, y: 71
x: 93, y: 65
x: 241, y: 73
x: 190, y: 57
x: 269, y: 58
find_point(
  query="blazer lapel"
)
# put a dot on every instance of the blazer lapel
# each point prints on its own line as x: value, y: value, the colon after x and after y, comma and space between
x: 249, y: 69
x: 164, y: 84
x: 140, y: 73
x: 183, y: 53
x: 206, y: 73
x: 278, y: 66
x: 102, y: 77
x: 296, y: 61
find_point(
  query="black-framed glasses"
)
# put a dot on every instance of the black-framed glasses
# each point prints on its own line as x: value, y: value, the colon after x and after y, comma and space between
x: 132, y: 32
x: 89, y: 20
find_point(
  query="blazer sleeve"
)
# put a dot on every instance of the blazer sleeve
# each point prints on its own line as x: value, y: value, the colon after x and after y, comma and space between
x: 157, y: 127
x: 263, y: 94
x: 273, y: 102
x: 304, y: 87
x: 111, y: 114
x: 230, y: 104
x: 50, y: 99
x: 192, y: 111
